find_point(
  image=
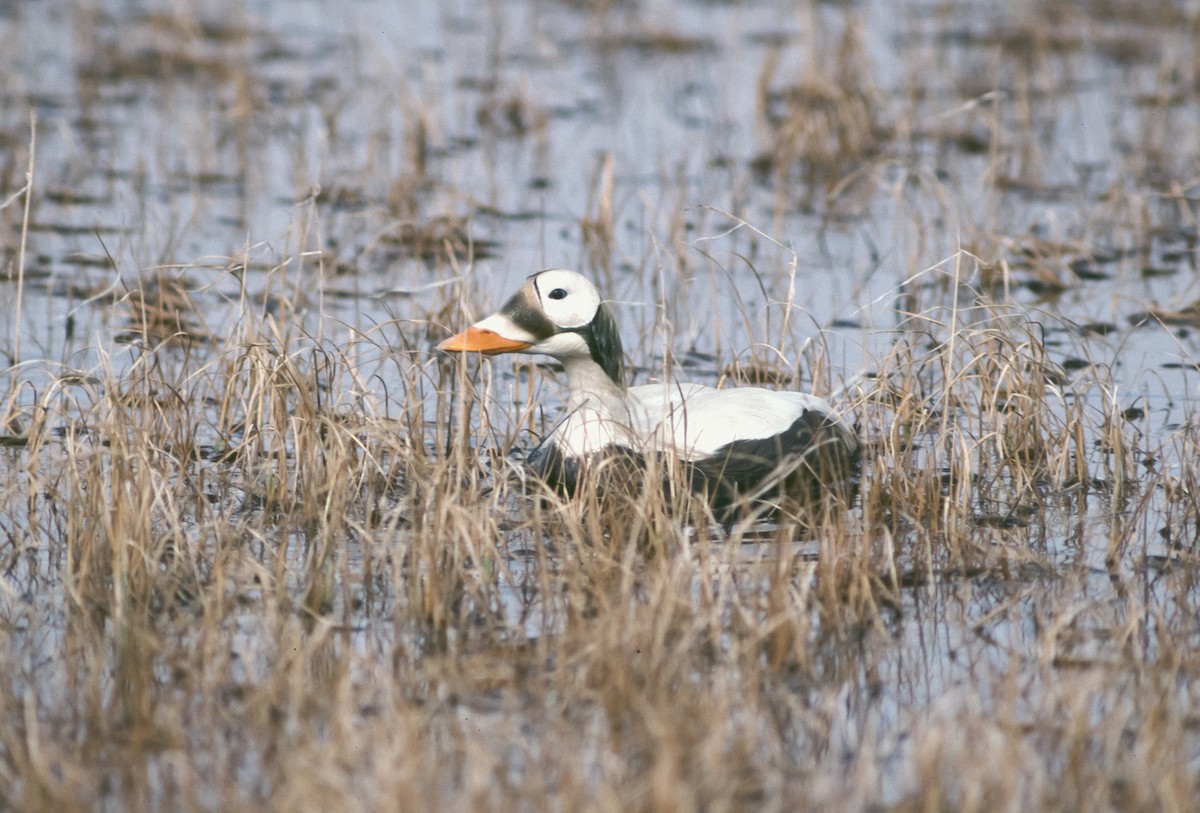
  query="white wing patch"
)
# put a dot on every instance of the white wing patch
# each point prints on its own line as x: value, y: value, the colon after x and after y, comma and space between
x: 695, y: 421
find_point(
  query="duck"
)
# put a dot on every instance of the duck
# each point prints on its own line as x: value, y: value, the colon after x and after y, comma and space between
x: 738, y: 447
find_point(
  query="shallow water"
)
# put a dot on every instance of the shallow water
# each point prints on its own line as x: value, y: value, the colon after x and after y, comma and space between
x: 200, y: 149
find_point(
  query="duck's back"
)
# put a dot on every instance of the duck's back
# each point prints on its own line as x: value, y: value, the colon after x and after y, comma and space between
x: 696, y: 422
x: 736, y: 444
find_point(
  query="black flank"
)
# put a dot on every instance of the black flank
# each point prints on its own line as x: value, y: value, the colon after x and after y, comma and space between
x: 619, y: 464
x: 815, y: 456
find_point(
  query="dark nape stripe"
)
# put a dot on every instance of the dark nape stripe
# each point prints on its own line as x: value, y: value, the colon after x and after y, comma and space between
x: 604, y: 344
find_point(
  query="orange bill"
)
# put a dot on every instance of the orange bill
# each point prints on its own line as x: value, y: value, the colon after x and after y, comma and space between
x: 481, y: 340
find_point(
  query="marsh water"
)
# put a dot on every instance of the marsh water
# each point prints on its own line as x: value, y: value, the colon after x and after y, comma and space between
x: 277, y: 152
x: 344, y: 174
x: 763, y: 189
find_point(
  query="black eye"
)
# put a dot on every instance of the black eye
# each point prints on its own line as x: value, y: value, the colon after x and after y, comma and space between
x: 558, y: 293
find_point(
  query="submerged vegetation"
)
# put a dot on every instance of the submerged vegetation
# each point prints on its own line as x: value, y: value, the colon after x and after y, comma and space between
x: 261, y: 547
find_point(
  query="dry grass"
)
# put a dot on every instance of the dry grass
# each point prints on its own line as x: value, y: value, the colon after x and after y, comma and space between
x: 245, y: 581
x: 263, y: 556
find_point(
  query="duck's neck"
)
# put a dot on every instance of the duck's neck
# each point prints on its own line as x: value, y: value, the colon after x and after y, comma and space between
x: 590, y: 388
x: 597, y: 410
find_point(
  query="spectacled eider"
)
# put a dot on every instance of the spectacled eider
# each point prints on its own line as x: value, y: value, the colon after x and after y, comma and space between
x: 739, y: 446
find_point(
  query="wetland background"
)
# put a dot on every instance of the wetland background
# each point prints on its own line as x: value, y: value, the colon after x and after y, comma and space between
x: 262, y: 548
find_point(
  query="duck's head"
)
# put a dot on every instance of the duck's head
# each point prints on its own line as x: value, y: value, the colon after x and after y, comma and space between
x: 556, y: 312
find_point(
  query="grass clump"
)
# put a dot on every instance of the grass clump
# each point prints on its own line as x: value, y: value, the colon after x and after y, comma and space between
x: 238, y: 578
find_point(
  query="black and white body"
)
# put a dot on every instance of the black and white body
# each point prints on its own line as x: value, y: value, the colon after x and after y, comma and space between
x: 735, y: 444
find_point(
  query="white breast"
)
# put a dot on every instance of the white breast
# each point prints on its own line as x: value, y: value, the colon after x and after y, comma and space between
x: 585, y: 431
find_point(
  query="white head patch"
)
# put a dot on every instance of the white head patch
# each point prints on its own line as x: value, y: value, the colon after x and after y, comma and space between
x: 568, y: 299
